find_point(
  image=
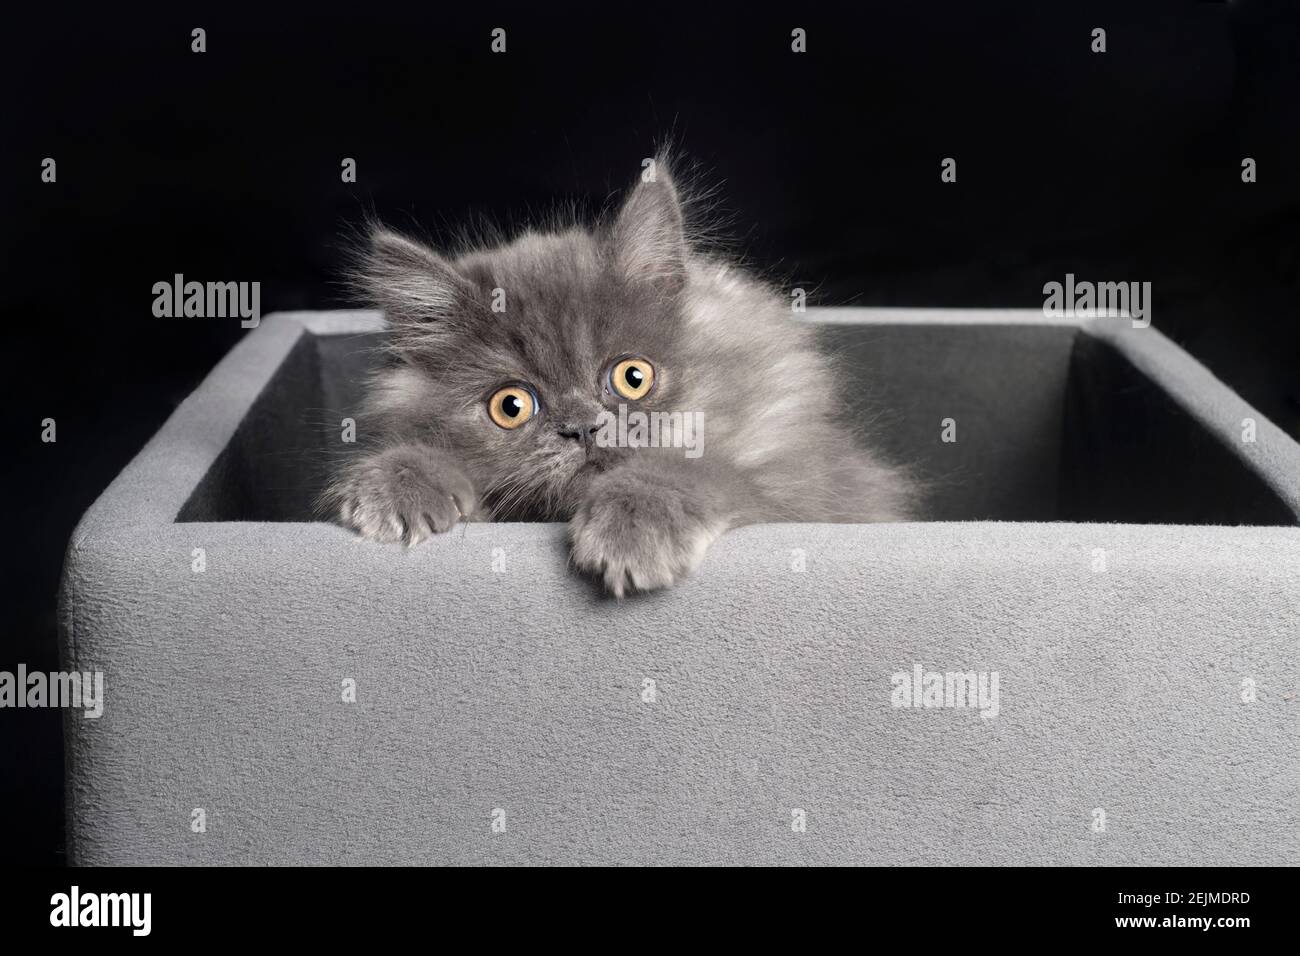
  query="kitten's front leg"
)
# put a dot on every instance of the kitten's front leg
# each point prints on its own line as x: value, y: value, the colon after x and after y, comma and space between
x: 644, y: 528
x: 403, y: 493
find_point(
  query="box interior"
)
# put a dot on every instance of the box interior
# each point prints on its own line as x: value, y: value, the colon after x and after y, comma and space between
x: 1051, y: 425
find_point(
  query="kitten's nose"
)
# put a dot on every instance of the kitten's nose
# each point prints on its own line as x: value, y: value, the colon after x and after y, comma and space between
x: 585, y: 434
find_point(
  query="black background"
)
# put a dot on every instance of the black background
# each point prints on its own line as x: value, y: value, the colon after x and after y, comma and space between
x: 1122, y: 166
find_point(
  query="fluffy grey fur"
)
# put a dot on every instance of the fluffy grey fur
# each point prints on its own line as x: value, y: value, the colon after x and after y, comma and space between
x: 721, y: 343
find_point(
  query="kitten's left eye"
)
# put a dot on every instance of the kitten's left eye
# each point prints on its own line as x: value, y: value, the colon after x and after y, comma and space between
x: 632, y: 378
x: 512, y: 406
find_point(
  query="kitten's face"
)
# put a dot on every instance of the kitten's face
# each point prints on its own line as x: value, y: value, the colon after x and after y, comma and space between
x: 510, y: 355
x: 522, y: 389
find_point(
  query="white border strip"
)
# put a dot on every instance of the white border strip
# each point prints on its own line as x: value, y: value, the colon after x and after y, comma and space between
x: 868, y: 315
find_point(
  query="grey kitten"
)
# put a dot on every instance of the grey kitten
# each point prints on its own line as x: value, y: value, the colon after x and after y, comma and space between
x: 499, y: 414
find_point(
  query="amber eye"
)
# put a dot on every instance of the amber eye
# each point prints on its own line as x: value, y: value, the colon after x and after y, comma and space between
x: 632, y: 378
x: 512, y: 406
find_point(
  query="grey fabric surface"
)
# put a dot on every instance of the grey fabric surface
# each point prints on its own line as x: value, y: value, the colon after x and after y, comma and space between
x: 490, y: 678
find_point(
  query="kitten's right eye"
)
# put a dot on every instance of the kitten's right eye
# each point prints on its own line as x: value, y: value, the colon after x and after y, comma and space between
x: 511, y: 406
x: 632, y: 378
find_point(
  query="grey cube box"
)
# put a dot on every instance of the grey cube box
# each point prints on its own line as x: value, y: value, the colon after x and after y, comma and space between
x: 1105, y: 543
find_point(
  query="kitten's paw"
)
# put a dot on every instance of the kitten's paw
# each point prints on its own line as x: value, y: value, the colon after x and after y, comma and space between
x: 639, y: 532
x: 403, y: 495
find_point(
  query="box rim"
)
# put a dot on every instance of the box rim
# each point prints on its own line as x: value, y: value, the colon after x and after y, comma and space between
x: 151, y: 490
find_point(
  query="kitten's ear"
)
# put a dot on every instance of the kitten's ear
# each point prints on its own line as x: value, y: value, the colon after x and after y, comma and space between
x: 411, y: 282
x: 649, y: 236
